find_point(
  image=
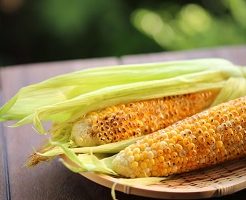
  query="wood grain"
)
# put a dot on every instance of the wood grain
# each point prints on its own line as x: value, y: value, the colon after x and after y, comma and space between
x: 2, y: 178
x: 234, y: 54
x: 52, y: 180
x: 4, y: 187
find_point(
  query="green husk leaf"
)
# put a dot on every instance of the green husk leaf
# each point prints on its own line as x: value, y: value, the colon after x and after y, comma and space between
x: 48, y: 94
x: 85, y: 162
x: 72, y: 156
x: 234, y: 88
x: 102, y: 149
x: 84, y: 103
x: 113, y: 191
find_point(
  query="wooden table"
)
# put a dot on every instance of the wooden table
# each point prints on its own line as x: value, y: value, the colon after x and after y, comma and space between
x: 52, y: 180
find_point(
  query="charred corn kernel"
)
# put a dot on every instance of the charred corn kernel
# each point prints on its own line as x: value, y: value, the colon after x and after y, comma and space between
x: 205, y: 151
x: 123, y: 121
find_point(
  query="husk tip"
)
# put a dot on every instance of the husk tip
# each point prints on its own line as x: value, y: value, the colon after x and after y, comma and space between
x: 35, y: 158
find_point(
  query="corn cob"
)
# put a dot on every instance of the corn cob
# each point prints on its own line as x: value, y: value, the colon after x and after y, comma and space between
x: 210, y: 137
x: 124, y: 121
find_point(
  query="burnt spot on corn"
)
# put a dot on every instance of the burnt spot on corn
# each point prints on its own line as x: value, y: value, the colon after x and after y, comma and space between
x: 123, y: 121
x: 192, y: 143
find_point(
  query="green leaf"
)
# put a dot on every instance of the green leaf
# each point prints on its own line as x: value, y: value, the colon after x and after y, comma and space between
x: 102, y: 149
x: 79, y: 85
x: 234, y: 88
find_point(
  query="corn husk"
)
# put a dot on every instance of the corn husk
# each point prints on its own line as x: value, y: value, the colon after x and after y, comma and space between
x: 63, y: 99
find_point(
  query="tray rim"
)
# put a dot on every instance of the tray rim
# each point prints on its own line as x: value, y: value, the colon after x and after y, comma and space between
x: 216, y: 190
x: 153, y: 191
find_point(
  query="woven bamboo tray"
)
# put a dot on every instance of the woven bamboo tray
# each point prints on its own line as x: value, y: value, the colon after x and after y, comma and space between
x: 223, y: 179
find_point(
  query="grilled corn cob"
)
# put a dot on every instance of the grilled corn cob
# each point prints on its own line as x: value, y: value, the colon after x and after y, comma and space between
x: 210, y: 137
x: 123, y: 121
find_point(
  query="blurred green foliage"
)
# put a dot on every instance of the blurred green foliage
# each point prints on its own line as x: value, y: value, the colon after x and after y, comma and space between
x: 34, y: 31
x: 176, y: 27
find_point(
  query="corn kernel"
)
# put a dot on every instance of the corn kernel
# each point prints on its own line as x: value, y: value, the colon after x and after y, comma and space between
x: 214, y: 145
x: 123, y: 121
